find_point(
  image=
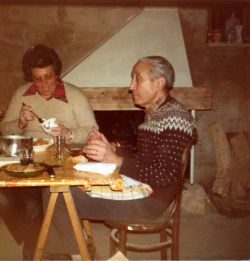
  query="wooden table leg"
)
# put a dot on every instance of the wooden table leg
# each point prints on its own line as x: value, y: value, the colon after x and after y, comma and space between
x: 54, y: 190
x: 76, y: 225
x: 45, y: 227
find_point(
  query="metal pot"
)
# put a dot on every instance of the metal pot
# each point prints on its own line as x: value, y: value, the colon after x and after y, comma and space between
x: 14, y: 145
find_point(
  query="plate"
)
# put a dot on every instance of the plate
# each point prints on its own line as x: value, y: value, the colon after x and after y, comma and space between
x: 74, y: 151
x: 42, y: 147
x: 22, y: 174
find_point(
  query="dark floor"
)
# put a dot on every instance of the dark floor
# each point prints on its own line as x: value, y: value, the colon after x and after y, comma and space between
x: 210, y: 236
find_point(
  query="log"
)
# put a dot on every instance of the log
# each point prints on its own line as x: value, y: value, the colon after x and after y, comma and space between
x: 242, y: 153
x: 222, y: 182
x: 119, y: 98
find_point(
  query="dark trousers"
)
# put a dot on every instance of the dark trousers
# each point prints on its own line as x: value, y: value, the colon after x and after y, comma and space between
x: 21, y: 211
x: 61, y: 238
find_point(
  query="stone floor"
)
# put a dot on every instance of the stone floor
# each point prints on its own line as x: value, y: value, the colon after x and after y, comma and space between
x: 210, y: 236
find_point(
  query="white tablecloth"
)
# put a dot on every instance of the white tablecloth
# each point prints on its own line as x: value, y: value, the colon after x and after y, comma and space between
x: 8, y: 160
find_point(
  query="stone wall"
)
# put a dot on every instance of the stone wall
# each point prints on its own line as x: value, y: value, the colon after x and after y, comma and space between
x: 74, y: 31
x: 67, y: 28
x: 225, y: 69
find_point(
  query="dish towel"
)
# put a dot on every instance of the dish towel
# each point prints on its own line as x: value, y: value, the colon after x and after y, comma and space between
x: 132, y: 189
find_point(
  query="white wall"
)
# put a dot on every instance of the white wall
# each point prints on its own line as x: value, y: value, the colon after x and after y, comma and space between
x: 155, y: 31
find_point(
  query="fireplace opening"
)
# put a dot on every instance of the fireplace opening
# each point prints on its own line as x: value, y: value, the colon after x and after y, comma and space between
x: 120, y: 127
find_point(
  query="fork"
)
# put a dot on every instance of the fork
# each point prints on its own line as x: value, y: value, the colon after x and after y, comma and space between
x: 39, y: 118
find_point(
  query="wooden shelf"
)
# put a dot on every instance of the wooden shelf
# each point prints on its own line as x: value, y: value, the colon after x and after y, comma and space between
x: 229, y: 45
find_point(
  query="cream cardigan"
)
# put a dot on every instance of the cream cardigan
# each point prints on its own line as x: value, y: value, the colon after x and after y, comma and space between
x: 77, y: 114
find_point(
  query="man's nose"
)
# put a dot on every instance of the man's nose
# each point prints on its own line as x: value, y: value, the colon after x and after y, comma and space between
x: 132, y: 85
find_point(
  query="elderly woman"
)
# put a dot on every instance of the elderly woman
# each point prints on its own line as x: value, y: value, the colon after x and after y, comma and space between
x: 48, y: 96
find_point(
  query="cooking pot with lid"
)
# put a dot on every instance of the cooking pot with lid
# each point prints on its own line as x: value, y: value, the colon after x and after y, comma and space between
x: 14, y: 145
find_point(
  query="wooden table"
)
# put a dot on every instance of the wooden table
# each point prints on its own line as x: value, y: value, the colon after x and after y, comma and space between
x: 65, y: 178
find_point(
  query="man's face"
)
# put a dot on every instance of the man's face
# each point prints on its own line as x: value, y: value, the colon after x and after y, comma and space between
x: 144, y: 89
x: 45, y: 79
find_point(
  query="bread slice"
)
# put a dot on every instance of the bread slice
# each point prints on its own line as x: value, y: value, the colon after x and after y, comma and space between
x: 71, y: 161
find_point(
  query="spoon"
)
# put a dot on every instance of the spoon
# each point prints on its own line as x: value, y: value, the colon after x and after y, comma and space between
x: 39, y: 118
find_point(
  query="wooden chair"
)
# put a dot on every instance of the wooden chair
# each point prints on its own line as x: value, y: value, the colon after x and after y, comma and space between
x: 167, y: 225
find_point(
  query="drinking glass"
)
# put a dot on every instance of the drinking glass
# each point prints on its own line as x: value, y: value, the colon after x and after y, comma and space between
x: 59, y: 144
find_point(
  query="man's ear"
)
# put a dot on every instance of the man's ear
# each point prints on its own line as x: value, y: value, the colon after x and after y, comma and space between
x: 161, y: 82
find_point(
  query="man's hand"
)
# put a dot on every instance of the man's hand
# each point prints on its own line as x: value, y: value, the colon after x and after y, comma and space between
x: 94, y: 134
x: 98, y: 148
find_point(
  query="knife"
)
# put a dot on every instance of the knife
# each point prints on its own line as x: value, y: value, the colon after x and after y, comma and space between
x: 50, y: 171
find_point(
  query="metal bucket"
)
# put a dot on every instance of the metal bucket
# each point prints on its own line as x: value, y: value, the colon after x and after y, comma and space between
x: 14, y: 145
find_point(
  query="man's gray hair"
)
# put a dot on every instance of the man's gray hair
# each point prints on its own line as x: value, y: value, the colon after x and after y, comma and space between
x: 160, y: 67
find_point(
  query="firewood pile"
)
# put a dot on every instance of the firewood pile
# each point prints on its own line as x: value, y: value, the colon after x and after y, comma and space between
x: 231, y: 186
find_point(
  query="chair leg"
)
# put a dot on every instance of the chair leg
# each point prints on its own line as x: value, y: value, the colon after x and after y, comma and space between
x: 89, y: 239
x: 112, y: 247
x: 175, y: 240
x: 163, y: 238
x: 122, y: 241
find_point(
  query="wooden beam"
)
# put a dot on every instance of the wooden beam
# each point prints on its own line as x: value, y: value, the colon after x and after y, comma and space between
x: 119, y: 98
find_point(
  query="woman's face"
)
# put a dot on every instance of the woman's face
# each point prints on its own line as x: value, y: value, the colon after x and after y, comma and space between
x: 45, y: 79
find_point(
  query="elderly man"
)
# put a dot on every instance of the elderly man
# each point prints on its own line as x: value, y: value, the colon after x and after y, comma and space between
x: 167, y: 129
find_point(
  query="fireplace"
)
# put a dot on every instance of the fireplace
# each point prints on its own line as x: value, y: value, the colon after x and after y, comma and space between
x: 120, y: 127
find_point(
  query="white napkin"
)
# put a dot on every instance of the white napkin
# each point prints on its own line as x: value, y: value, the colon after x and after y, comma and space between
x: 103, y: 168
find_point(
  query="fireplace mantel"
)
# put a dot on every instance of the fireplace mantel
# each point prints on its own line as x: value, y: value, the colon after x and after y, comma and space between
x: 119, y: 98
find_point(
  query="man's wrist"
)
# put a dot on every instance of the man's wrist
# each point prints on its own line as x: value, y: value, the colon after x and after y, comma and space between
x: 119, y: 161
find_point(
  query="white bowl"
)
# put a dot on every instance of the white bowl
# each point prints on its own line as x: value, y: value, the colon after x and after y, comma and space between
x: 42, y: 147
x: 48, y: 124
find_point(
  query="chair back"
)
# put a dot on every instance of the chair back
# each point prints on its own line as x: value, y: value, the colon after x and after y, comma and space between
x: 180, y: 182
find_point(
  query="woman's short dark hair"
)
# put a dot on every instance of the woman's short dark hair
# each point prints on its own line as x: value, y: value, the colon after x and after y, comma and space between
x: 40, y: 56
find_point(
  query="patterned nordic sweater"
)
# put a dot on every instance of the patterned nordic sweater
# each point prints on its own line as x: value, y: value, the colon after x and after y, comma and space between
x: 160, y: 144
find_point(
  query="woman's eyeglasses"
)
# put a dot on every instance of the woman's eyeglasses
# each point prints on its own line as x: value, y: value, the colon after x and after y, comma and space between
x: 44, y: 78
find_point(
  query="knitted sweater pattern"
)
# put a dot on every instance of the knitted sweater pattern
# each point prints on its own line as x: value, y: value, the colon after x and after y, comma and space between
x: 161, y: 141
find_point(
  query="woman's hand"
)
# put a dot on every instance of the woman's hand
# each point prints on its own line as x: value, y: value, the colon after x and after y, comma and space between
x: 25, y: 116
x: 61, y: 130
